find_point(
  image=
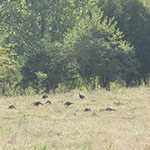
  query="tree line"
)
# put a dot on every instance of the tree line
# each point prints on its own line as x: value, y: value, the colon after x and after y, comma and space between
x: 59, y: 45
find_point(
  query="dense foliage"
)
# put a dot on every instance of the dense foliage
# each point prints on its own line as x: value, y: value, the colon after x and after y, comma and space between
x: 61, y: 45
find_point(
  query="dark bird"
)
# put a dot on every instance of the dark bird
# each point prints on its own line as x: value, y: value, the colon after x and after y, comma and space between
x: 11, y: 107
x: 110, y: 109
x: 44, y: 96
x: 81, y: 96
x: 68, y: 103
x: 87, y: 109
x: 37, y: 103
x: 48, y: 102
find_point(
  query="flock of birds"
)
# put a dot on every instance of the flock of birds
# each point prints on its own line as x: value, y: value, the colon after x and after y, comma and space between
x: 37, y: 103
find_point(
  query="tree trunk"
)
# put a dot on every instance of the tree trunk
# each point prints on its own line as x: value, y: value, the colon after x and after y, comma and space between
x: 104, y: 82
x: 42, y: 26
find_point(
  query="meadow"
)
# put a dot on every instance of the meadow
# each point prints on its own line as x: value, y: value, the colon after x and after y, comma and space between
x: 60, y: 127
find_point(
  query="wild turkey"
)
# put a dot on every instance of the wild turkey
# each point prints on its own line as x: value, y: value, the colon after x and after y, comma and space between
x: 87, y: 109
x: 48, y: 102
x: 37, y: 103
x: 68, y: 103
x: 110, y: 109
x: 11, y: 107
x: 44, y: 96
x: 81, y: 96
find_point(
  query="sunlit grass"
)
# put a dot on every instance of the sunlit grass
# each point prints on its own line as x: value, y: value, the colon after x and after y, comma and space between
x: 58, y: 127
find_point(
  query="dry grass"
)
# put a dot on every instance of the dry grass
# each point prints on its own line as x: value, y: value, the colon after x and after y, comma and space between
x: 58, y: 127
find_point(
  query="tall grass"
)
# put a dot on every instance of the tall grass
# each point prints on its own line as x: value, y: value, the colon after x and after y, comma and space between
x: 58, y: 127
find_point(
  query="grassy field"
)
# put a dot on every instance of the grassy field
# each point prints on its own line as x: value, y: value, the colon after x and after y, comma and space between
x: 58, y: 127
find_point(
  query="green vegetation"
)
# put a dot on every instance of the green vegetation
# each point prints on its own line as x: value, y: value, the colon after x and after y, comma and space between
x: 57, y: 46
